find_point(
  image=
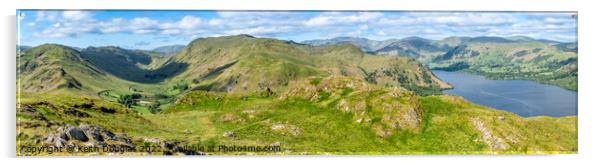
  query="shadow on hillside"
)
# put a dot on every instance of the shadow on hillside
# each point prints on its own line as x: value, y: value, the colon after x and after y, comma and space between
x: 160, y: 74
x: 126, y: 64
x: 132, y: 72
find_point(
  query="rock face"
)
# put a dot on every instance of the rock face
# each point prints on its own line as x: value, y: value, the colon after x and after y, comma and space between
x: 229, y: 134
x: 287, y: 129
x: 74, y: 133
x: 95, y: 136
x: 97, y: 133
x: 494, y: 142
x: 56, y: 140
x: 88, y: 134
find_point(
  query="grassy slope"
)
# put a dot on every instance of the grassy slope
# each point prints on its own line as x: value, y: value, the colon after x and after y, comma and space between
x: 51, y: 58
x: 310, y: 127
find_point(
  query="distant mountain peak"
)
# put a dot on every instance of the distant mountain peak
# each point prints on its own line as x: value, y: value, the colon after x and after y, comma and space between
x: 169, y: 49
x: 246, y: 35
x: 520, y: 38
x: 415, y: 38
x: 364, y: 44
x: 490, y: 39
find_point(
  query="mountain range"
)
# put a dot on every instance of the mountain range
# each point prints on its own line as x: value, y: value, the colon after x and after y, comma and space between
x: 516, y: 57
x: 234, y: 64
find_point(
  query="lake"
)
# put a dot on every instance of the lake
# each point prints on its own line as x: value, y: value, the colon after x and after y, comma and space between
x: 525, y: 98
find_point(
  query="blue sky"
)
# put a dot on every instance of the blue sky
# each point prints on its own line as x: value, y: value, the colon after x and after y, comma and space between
x: 149, y: 29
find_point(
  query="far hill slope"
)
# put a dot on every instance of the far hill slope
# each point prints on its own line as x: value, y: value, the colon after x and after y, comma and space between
x: 506, y: 59
x: 52, y: 67
x: 363, y: 43
x: 246, y: 64
x: 169, y: 50
x: 419, y: 48
x: 132, y: 65
x: 22, y: 48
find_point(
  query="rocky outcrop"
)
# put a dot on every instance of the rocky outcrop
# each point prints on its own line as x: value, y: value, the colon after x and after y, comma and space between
x: 229, y: 134
x: 384, y: 109
x: 74, y: 133
x: 99, y: 134
x: 29, y: 110
x: 494, y: 142
x: 86, y: 135
x: 312, y: 88
x: 287, y: 129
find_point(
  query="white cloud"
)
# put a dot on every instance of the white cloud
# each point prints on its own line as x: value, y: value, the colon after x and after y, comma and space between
x: 450, y: 18
x: 46, y: 15
x: 142, y: 31
x: 215, y: 22
x: 258, y: 14
x: 189, y: 22
x: 331, y: 18
x: 171, y: 31
x: 113, y: 25
x: 364, y: 27
x: 74, y: 15
x: 259, y: 30
x: 143, y: 23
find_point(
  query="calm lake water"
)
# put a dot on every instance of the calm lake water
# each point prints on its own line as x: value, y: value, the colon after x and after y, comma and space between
x: 525, y: 98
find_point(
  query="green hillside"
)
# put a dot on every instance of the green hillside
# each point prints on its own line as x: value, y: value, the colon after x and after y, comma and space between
x: 242, y: 64
x: 357, y: 119
x: 53, y: 67
x: 531, y: 60
x: 57, y: 69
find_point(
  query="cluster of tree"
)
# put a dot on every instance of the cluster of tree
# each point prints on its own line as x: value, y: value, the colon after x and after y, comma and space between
x: 129, y: 99
x: 181, y: 86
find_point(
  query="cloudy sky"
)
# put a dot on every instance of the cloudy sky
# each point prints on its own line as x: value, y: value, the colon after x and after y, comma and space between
x: 149, y: 29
